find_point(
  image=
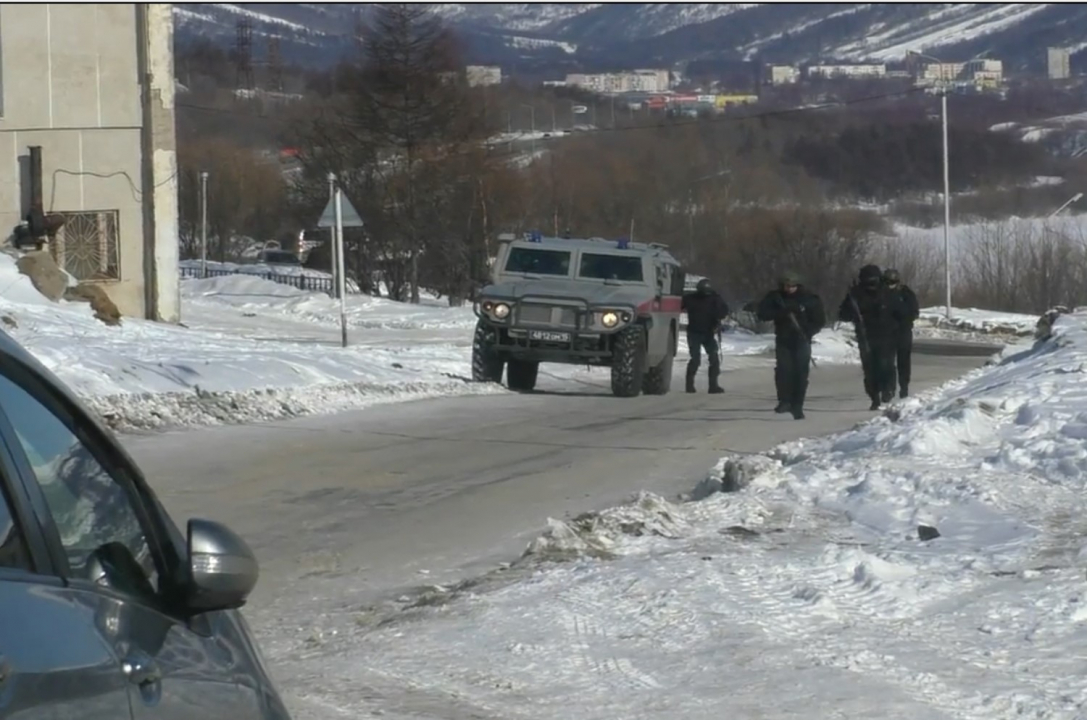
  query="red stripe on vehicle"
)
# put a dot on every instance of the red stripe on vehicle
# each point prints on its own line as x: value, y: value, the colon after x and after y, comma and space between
x: 668, y: 304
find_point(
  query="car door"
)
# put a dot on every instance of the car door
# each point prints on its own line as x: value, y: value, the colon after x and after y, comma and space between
x: 55, y: 663
x: 119, y: 562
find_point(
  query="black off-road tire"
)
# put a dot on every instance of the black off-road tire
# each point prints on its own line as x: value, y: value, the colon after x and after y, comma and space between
x: 658, y: 380
x: 521, y: 374
x: 487, y: 364
x: 628, y: 362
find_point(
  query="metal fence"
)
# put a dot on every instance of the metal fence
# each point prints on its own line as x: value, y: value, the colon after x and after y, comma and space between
x: 302, y: 282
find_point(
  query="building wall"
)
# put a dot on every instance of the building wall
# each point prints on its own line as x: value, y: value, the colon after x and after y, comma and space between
x: 70, y: 83
x: 1058, y: 63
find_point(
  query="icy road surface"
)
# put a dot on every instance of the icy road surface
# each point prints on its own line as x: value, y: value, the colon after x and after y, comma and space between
x: 344, y: 510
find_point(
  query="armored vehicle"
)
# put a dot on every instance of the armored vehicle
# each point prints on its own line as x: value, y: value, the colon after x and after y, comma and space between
x: 609, y: 303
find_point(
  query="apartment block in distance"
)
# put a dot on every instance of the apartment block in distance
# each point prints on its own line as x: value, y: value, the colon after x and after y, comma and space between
x: 1058, y: 63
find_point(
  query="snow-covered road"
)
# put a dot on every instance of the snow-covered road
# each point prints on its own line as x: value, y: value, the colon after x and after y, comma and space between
x: 410, y: 495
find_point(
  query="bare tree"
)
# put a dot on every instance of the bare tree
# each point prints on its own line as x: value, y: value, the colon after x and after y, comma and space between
x: 246, y: 195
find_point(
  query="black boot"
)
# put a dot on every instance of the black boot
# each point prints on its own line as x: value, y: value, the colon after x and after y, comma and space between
x: 715, y: 388
x: 904, y: 392
x: 799, y: 395
x: 875, y: 404
x: 783, y: 407
x: 887, y: 396
x: 690, y: 378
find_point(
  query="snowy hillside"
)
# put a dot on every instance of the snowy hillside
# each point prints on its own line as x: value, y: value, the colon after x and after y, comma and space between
x: 643, y: 33
x: 927, y: 564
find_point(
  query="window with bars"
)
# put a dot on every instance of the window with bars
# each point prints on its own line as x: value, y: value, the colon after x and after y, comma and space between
x: 87, y: 246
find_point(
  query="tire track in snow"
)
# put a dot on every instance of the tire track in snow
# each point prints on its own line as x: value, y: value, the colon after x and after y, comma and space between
x: 591, y: 638
x: 862, y: 640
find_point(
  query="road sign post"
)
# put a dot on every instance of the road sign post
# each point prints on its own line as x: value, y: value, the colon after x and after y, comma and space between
x: 338, y: 214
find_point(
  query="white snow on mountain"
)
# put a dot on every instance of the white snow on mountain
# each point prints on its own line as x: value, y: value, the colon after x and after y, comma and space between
x: 512, y: 16
x: 933, y: 30
x: 531, y: 42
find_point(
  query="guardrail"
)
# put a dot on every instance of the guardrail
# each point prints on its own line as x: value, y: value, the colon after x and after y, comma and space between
x: 308, y: 283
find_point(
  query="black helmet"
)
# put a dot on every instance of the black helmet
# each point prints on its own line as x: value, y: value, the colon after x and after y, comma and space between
x: 703, y: 287
x: 789, y: 278
x: 870, y: 275
x: 890, y: 276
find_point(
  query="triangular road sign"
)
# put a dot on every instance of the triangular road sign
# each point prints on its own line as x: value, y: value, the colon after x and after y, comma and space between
x: 350, y: 214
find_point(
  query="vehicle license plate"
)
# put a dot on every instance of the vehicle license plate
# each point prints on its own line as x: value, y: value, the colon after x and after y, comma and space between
x: 548, y: 336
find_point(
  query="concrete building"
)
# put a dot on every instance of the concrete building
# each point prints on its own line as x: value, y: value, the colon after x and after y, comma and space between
x: 935, y: 73
x: 852, y: 72
x: 1058, y: 63
x: 649, y: 81
x: 478, y: 75
x: 646, y: 81
x: 782, y: 74
x: 985, y: 73
x: 87, y: 113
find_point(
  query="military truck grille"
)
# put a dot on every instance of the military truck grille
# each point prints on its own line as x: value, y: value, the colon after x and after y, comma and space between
x: 536, y: 314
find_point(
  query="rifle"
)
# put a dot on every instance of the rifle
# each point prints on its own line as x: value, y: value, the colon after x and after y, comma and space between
x: 862, y: 333
x: 800, y: 331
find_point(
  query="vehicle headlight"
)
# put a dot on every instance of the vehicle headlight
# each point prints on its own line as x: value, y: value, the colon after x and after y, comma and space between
x: 501, y: 311
x: 609, y: 319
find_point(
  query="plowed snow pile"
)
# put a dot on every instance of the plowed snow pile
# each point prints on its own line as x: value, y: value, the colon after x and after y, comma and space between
x: 927, y: 564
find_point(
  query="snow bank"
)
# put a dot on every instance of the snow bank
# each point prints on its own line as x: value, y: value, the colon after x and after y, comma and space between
x: 972, y: 321
x: 930, y: 562
x: 257, y: 295
x: 255, y: 350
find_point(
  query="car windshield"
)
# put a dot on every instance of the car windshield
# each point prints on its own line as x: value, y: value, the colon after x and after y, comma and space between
x: 538, y: 262
x: 625, y: 268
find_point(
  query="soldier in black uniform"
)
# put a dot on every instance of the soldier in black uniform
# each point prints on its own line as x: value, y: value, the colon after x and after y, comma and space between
x: 876, y: 314
x: 705, y: 310
x: 797, y: 315
x: 911, y: 310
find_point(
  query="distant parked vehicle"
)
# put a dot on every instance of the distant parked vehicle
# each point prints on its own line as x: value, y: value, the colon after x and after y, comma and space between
x: 278, y: 257
x: 109, y: 611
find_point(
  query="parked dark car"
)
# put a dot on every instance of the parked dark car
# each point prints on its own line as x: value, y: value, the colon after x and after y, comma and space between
x: 107, y: 611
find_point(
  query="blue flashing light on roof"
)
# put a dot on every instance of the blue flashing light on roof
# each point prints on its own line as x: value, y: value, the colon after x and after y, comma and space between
x: 624, y: 244
x: 535, y: 236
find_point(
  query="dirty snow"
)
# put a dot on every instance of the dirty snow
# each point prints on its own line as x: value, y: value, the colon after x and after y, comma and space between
x: 927, y: 564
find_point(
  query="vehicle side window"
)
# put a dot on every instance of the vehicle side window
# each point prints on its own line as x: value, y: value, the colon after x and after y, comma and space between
x: 679, y: 280
x: 93, y: 512
x: 13, y: 550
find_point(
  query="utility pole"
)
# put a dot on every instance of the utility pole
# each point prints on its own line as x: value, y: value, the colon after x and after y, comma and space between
x: 341, y: 284
x: 947, y: 206
x: 203, y: 224
x: 333, y: 262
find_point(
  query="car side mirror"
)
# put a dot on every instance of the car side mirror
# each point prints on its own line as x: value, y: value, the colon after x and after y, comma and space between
x: 222, y: 568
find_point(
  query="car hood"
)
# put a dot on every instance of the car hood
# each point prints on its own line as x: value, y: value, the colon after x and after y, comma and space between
x: 594, y: 293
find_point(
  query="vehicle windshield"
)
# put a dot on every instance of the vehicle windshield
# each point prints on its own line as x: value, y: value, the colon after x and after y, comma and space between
x: 625, y: 268
x: 538, y: 262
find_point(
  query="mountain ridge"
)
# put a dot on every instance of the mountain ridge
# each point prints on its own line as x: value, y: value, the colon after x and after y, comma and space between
x: 597, y: 35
